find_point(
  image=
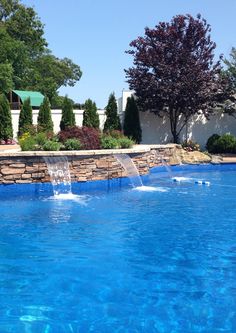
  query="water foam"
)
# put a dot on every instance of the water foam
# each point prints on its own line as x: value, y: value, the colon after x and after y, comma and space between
x: 150, y: 189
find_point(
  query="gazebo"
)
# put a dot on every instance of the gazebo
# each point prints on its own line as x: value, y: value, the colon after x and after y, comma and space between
x: 17, y: 97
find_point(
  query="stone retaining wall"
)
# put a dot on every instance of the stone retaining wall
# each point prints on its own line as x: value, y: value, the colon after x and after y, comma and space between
x: 25, y: 168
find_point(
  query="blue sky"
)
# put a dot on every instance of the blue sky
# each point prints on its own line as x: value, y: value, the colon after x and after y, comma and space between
x: 96, y: 33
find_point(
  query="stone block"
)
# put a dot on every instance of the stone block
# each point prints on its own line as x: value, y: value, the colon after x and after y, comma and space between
x: 9, y: 171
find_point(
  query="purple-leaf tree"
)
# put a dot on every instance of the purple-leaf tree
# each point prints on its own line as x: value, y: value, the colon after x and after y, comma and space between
x: 174, y: 73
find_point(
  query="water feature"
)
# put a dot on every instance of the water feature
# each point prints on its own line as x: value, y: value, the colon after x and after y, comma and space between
x: 133, y: 173
x: 130, y: 168
x: 58, y: 169
x: 160, y: 158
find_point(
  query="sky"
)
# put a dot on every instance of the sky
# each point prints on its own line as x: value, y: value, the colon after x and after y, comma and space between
x: 96, y: 33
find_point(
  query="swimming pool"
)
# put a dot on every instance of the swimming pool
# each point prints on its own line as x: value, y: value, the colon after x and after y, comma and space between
x: 123, y: 260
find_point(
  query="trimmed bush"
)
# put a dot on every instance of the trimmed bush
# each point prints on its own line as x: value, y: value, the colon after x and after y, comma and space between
x: 72, y: 144
x: 6, y: 131
x: 51, y: 145
x: 88, y: 136
x: 90, y: 116
x: 210, y: 145
x: 132, y: 127
x: 225, y: 144
x: 125, y: 142
x: 26, y: 117
x: 108, y: 142
x: 68, y: 117
x: 45, y: 117
x: 112, y: 121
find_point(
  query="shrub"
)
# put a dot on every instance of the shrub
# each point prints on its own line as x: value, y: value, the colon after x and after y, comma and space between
x: 45, y: 117
x: 90, y: 116
x: 132, y: 127
x: 72, y: 144
x: 112, y: 121
x: 51, y: 145
x: 190, y: 146
x: 125, y: 142
x: 115, y: 134
x: 26, y: 117
x: 68, y: 117
x: 88, y: 136
x: 27, y: 142
x: 225, y: 144
x: 6, y: 131
x: 108, y: 142
x: 40, y: 138
x: 210, y: 145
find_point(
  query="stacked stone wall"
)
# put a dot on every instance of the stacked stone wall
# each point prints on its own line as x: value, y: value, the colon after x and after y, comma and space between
x: 33, y: 169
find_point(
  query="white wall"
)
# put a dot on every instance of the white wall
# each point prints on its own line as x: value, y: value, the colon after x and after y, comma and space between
x: 157, y: 130
x: 56, y: 118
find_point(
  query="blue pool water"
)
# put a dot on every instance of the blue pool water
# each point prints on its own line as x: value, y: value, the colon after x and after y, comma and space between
x: 124, y: 261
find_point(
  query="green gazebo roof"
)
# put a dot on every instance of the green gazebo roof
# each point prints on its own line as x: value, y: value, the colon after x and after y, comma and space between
x: 36, y: 98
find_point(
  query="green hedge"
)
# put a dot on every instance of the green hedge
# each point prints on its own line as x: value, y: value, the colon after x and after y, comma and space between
x: 223, y: 144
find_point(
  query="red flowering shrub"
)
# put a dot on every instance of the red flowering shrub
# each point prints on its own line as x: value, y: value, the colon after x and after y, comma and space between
x: 89, y: 137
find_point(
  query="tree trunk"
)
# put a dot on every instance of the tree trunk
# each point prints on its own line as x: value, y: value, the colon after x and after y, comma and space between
x: 173, y: 125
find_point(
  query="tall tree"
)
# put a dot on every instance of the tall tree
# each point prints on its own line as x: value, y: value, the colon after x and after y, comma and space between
x: 229, y: 104
x: 90, y: 116
x: 68, y: 117
x: 24, y: 48
x: 132, y: 126
x: 112, y: 121
x: 174, y: 73
x: 45, y: 117
x: 6, y: 131
x: 26, y: 117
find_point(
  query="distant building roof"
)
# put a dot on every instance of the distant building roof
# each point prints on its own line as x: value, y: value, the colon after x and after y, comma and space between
x: 36, y: 98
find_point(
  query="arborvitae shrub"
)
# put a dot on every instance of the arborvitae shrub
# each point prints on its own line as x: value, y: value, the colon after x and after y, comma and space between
x: 112, y: 121
x: 68, y: 117
x: 26, y: 117
x: 6, y: 131
x: 90, y: 116
x: 45, y: 117
x: 132, y: 127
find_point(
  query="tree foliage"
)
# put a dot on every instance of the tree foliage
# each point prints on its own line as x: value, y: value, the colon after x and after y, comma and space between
x: 90, y: 116
x: 24, y: 49
x: 45, y: 117
x: 112, y: 121
x: 26, y: 117
x: 132, y: 127
x: 229, y: 104
x: 174, y: 73
x: 68, y: 117
x: 6, y: 131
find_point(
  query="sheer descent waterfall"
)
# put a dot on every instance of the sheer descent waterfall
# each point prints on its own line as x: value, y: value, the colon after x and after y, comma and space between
x: 58, y: 169
x: 131, y: 169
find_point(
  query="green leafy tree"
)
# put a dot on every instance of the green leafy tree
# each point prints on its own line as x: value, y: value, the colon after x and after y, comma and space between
x: 24, y: 48
x: 68, y: 117
x: 26, y: 117
x: 132, y: 127
x: 90, y: 116
x: 49, y: 73
x: 6, y: 131
x: 45, y: 116
x: 112, y: 121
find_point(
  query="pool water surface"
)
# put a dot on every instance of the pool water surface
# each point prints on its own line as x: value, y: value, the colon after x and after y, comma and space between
x: 130, y: 261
